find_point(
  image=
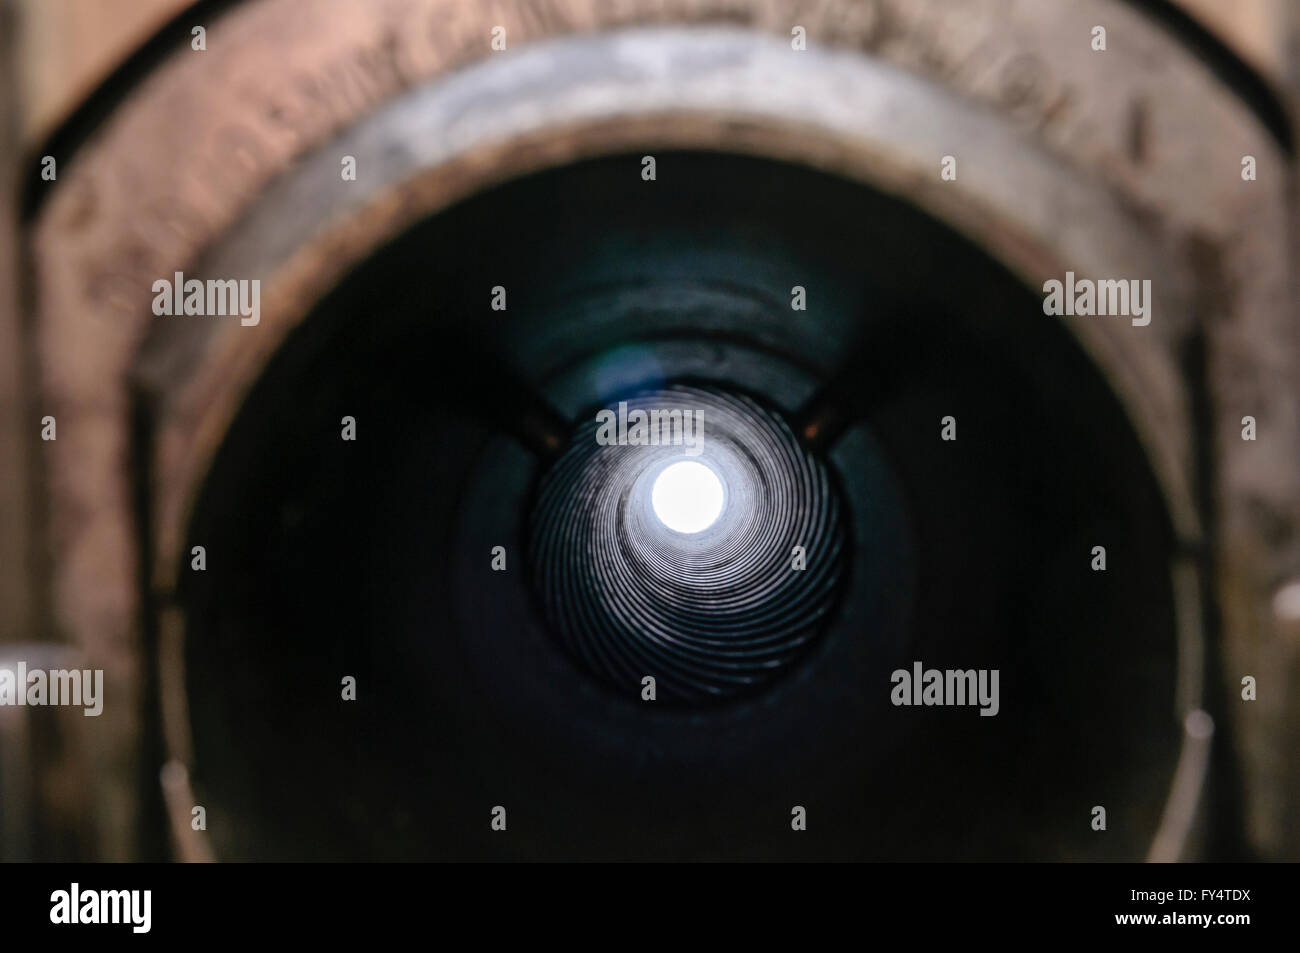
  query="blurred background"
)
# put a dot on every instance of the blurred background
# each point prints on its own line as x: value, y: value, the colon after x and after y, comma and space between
x: 794, y: 143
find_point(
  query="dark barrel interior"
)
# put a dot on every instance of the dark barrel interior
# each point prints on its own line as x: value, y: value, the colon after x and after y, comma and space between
x: 477, y: 688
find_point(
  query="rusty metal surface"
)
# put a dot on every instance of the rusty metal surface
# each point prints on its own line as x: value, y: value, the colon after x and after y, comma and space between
x: 1256, y: 30
x: 66, y: 48
x: 15, y: 431
x: 1115, y: 163
x: 45, y: 776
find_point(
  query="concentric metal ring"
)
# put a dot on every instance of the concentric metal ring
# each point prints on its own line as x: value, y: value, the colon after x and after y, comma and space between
x: 710, y: 614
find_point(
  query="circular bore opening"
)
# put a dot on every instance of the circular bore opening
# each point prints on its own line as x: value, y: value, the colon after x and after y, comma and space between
x: 687, y: 497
